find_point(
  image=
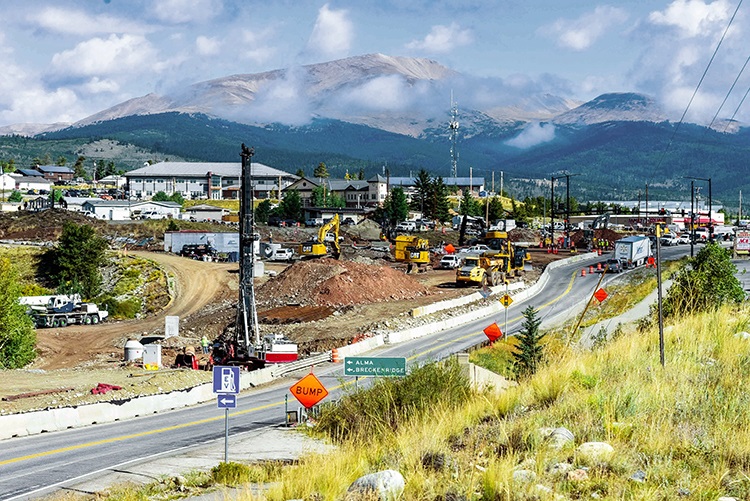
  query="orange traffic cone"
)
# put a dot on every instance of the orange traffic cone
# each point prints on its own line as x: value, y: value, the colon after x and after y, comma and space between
x: 599, y: 252
x: 591, y: 269
x: 599, y: 266
x: 583, y: 272
x: 335, y: 356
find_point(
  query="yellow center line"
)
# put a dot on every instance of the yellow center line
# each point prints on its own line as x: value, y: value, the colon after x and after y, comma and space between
x: 237, y: 413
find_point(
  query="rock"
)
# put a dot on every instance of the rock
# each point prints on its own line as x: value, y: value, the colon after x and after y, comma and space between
x: 578, y: 475
x: 638, y: 476
x: 388, y: 485
x: 436, y: 461
x: 560, y: 437
x: 595, y: 451
x: 683, y: 492
x: 742, y: 335
x: 559, y: 468
x: 524, y: 476
x: 727, y: 498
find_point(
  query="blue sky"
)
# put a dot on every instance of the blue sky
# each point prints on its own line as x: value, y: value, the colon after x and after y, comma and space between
x: 65, y: 60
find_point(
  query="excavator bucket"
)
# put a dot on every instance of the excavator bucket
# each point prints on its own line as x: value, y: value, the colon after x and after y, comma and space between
x: 527, y: 267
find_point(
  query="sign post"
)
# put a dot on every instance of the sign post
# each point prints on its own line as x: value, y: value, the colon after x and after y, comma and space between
x: 226, y: 386
x: 309, y: 391
x: 506, y: 300
x: 375, y: 366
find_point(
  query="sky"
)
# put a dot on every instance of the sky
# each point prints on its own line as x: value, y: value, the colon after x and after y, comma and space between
x: 65, y: 60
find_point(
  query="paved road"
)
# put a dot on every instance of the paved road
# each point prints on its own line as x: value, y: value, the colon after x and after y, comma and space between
x: 33, y: 466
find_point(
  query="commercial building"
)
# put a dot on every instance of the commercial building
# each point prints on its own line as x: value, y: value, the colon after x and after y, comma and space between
x: 205, y: 180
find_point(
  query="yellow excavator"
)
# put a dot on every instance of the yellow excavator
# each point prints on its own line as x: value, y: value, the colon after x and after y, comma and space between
x: 494, y: 267
x: 413, y: 251
x: 320, y: 247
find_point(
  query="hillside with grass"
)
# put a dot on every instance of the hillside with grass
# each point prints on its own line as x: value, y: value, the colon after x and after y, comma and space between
x: 604, y: 423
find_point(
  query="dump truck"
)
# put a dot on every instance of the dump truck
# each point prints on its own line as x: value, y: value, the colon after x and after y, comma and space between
x: 494, y: 267
x: 413, y: 251
x: 632, y: 251
x: 62, y: 310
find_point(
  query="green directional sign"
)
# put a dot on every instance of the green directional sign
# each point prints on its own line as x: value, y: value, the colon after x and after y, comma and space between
x: 374, y: 366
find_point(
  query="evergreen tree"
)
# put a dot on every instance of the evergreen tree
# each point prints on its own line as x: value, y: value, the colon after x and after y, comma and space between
x: 160, y: 196
x: 469, y: 205
x: 321, y: 171
x: 531, y: 352
x: 395, y: 207
x: 79, y: 256
x: 318, y: 197
x: 17, y: 334
x: 61, y: 161
x: 300, y: 173
x: 337, y: 201
x: 291, y: 205
x: 495, y: 209
x: 440, y: 201
x: 263, y: 211
x: 15, y: 196
x: 78, y: 169
x: 422, y: 199
x: 361, y: 175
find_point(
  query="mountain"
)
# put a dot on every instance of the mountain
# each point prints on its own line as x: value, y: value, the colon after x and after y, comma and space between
x: 622, y: 107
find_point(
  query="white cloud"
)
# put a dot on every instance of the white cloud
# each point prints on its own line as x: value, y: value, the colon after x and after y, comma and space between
x: 693, y: 17
x: 443, y: 39
x: 185, y: 11
x: 98, y: 85
x: 255, y: 48
x: 34, y: 104
x: 207, y: 46
x: 76, y: 22
x: 383, y: 93
x: 283, y: 101
x: 581, y: 33
x: 532, y: 135
x: 332, y: 34
x: 113, y: 55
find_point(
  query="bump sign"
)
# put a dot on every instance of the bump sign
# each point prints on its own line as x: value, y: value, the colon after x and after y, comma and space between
x: 309, y: 390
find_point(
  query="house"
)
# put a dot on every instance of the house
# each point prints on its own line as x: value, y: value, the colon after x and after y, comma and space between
x: 31, y: 182
x: 56, y: 173
x: 7, y: 182
x: 113, y: 181
x: 74, y: 204
x: 109, y: 210
x: 205, y: 180
x: 204, y: 212
x: 355, y: 193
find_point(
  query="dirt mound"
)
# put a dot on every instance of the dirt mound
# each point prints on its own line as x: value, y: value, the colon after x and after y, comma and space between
x: 523, y: 235
x: 328, y: 282
x: 608, y: 235
x: 41, y: 226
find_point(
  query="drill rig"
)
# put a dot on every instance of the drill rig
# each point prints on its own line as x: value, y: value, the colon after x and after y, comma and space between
x: 247, y: 349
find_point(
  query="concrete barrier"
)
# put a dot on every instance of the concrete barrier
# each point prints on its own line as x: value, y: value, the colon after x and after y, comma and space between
x: 461, y: 301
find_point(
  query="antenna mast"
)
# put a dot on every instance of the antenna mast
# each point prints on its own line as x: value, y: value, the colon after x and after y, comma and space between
x: 453, y: 126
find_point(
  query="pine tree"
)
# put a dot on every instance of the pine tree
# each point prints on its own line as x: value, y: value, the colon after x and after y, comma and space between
x: 531, y: 351
x: 321, y: 171
x: 17, y: 334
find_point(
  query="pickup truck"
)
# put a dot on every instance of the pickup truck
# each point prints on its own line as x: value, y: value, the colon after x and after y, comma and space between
x: 152, y: 214
x: 406, y: 226
x: 282, y: 254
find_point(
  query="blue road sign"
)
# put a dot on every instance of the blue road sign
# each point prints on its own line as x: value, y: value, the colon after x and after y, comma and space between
x: 226, y: 401
x: 226, y: 380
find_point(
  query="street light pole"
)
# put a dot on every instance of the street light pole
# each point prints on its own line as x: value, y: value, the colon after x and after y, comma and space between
x: 692, y: 217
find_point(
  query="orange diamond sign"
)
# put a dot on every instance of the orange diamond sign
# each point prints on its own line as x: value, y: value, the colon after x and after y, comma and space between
x: 601, y: 295
x: 493, y: 332
x: 309, y: 390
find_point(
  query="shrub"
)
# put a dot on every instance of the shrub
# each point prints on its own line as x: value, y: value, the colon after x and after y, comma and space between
x: 17, y: 334
x: 231, y: 473
x: 120, y: 310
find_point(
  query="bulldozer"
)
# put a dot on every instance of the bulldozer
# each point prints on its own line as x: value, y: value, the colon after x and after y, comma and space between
x: 324, y: 244
x: 413, y: 251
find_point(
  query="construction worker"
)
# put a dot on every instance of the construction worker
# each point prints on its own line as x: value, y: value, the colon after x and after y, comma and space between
x: 204, y: 343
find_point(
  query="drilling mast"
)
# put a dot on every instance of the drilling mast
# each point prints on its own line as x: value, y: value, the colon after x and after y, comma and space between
x: 247, y: 315
x: 453, y: 127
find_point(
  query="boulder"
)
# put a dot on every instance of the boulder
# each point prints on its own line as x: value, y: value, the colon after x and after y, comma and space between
x: 388, y: 485
x: 560, y: 437
x: 595, y: 451
x: 578, y: 475
x: 524, y: 476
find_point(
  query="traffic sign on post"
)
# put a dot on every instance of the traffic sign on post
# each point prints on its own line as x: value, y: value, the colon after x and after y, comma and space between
x: 226, y: 401
x: 226, y: 379
x: 309, y: 390
x: 493, y: 332
x: 506, y: 300
x: 375, y: 366
x: 601, y: 295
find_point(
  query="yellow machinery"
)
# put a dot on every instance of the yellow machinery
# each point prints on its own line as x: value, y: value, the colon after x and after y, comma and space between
x: 494, y: 267
x: 319, y: 246
x: 413, y: 251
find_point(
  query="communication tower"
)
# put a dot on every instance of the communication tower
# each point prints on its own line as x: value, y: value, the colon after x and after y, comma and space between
x: 453, y: 126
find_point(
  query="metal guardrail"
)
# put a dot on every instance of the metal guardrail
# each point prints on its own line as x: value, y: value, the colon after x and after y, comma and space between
x: 283, y: 369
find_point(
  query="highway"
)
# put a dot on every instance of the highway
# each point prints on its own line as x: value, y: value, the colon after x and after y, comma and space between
x: 37, y: 465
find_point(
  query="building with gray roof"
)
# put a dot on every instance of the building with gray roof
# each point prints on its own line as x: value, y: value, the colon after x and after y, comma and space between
x: 205, y: 180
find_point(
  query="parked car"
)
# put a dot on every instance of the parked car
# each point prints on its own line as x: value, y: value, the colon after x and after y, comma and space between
x: 450, y: 262
x: 315, y: 221
x: 406, y: 226
x: 282, y: 254
x: 152, y: 214
x: 475, y: 249
x: 669, y: 239
x: 684, y: 238
x: 197, y: 251
x: 425, y: 224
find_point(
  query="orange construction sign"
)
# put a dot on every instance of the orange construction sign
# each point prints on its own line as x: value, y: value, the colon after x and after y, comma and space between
x: 493, y: 332
x: 601, y: 295
x: 309, y: 390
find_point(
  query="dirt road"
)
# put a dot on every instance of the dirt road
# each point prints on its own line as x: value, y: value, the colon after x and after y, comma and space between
x: 196, y: 284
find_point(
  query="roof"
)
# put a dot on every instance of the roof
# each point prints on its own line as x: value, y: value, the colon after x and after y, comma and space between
x: 201, y: 169
x: 61, y: 169
x: 30, y: 172
x: 344, y: 184
x: 448, y: 181
x: 206, y: 208
x: 77, y: 200
x: 170, y: 205
x: 98, y: 202
x: 377, y: 178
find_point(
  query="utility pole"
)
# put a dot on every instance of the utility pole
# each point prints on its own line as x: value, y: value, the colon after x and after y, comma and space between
x: 647, y: 221
x: 692, y: 217
x: 552, y: 213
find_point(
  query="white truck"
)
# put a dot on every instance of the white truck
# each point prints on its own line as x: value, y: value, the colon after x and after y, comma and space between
x: 632, y: 251
x: 61, y: 310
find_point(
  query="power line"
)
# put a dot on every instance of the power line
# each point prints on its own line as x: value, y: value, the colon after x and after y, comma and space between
x: 695, y: 92
x: 728, y: 93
